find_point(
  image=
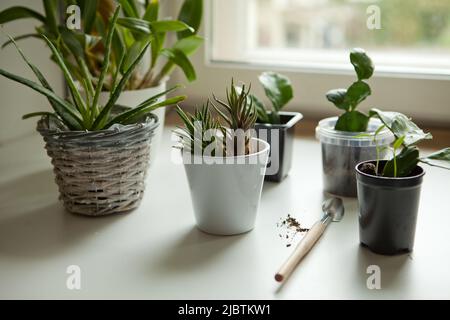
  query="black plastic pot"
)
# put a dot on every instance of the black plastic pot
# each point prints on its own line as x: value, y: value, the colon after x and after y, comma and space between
x: 281, y: 140
x: 388, y: 210
x: 342, y: 151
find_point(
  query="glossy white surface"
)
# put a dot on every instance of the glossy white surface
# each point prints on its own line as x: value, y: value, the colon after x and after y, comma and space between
x: 157, y: 252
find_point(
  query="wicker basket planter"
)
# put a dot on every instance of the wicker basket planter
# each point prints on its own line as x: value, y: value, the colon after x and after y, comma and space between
x: 100, y: 172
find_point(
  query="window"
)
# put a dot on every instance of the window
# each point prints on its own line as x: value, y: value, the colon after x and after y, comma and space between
x: 403, y: 36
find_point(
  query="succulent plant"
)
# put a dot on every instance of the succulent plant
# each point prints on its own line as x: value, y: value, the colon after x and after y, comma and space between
x: 85, y: 113
x: 209, y: 133
x: 200, y: 131
x: 239, y: 115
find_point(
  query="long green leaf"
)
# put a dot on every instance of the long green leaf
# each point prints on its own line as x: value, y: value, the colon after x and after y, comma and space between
x: 64, y: 108
x: 104, y: 114
x: 136, y: 25
x: 170, y: 25
x: 70, y: 82
x: 136, y: 113
x: 44, y: 83
x: 156, y: 96
x: 21, y: 37
x: 37, y: 114
x: 151, y: 12
x: 89, y: 15
x: 179, y: 58
x: 75, y: 45
x: 51, y: 8
x: 189, y: 44
x: 98, y: 89
x: 18, y: 12
x: 191, y: 13
x: 129, y: 8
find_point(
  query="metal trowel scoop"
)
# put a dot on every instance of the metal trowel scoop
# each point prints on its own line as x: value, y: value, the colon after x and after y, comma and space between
x: 333, y: 210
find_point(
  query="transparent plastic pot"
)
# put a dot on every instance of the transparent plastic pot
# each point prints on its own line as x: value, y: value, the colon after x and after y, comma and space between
x: 342, y: 151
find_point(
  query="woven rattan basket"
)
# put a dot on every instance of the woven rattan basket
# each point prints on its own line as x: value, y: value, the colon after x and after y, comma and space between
x: 100, y: 172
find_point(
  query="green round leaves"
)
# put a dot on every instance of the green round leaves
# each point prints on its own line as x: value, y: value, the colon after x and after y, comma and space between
x: 362, y: 63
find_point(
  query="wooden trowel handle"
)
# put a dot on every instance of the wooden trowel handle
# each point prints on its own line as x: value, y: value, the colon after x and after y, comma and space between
x: 301, y: 250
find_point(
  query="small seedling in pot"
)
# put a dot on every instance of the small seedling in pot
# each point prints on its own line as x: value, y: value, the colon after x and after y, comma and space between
x: 349, y: 99
x: 406, y: 154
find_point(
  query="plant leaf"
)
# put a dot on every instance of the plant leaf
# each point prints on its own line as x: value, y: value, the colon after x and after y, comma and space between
x: 406, y: 160
x: 353, y: 121
x: 398, y: 142
x: 89, y: 15
x: 70, y: 82
x: 132, y: 115
x: 129, y: 8
x: 357, y: 93
x: 170, y: 25
x: 104, y: 114
x: 278, y: 89
x: 139, y: 26
x: 188, y: 44
x: 105, y: 66
x: 132, y: 53
x: 362, y: 63
x: 51, y: 8
x: 439, y: 159
x: 179, y: 58
x: 21, y: 37
x: 190, y: 13
x: 63, y: 108
x: 337, y: 97
x: 37, y: 114
x: 151, y: 12
x: 400, y: 125
x: 156, y: 96
x: 18, y: 12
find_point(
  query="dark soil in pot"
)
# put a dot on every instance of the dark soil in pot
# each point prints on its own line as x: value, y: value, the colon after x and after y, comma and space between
x: 388, y: 209
x: 281, y: 140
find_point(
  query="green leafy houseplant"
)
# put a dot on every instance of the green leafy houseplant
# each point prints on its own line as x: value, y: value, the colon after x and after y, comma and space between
x: 406, y: 154
x: 239, y: 117
x: 348, y: 99
x: 84, y: 51
x: 86, y: 113
x: 278, y: 90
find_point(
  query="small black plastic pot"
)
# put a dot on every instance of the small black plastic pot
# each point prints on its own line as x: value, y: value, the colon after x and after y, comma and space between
x: 388, y: 210
x: 281, y: 140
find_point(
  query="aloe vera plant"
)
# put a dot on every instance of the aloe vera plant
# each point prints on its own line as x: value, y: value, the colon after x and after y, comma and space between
x: 85, y: 113
x: 278, y: 90
x: 233, y: 127
x: 84, y: 51
x: 406, y: 154
x: 348, y: 99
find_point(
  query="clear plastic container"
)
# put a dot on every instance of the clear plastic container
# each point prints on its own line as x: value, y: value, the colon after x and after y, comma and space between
x: 342, y: 151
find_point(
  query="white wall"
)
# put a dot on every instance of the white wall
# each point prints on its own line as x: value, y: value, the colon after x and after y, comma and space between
x: 16, y: 99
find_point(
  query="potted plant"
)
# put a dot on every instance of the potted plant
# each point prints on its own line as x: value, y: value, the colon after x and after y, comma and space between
x: 348, y: 139
x: 99, y: 152
x: 224, y: 164
x: 83, y: 50
x: 389, y: 190
x: 275, y: 126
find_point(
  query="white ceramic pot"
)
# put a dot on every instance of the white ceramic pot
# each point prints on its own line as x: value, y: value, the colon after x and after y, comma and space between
x: 226, y: 196
x: 131, y: 98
